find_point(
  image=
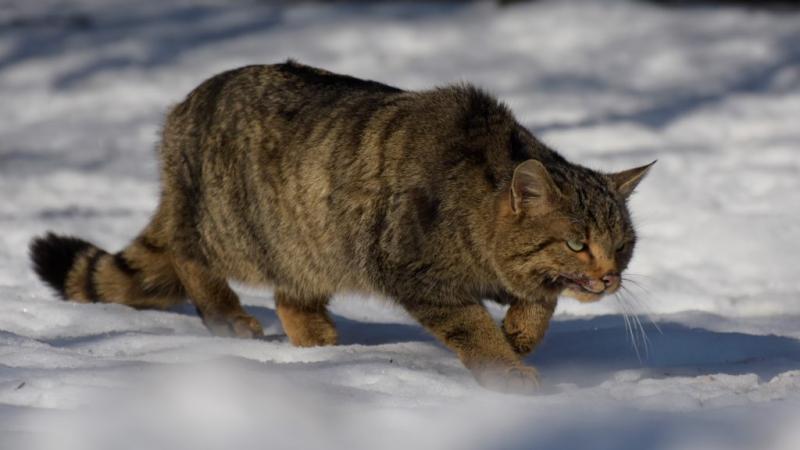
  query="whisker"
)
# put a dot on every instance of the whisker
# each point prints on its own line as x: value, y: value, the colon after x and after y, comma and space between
x: 643, y: 333
x: 624, y: 313
x: 648, y: 310
x: 649, y: 316
x: 640, y: 275
x: 637, y: 284
x: 632, y: 319
x: 637, y: 325
x: 628, y: 326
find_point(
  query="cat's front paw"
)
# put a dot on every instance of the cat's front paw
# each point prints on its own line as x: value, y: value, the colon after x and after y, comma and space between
x: 522, y: 343
x: 522, y: 336
x: 525, y: 325
x: 510, y: 380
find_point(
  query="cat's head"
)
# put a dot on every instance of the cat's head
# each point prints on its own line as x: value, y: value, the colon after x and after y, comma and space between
x: 565, y: 230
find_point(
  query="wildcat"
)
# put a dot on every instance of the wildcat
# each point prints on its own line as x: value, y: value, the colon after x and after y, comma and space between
x: 315, y: 183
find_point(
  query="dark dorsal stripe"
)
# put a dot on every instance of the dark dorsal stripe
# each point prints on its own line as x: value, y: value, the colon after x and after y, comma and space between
x: 90, y: 288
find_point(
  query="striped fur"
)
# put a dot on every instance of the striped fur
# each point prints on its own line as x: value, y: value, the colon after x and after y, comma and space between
x: 317, y: 183
x: 79, y: 271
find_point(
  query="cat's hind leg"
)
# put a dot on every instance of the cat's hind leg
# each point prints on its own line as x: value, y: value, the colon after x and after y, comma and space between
x: 305, y: 320
x: 216, y: 303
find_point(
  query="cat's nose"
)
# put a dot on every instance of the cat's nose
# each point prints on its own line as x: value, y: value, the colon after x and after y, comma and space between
x: 610, y: 279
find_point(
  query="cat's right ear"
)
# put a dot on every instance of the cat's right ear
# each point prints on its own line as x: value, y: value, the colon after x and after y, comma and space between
x: 627, y: 180
x: 532, y: 188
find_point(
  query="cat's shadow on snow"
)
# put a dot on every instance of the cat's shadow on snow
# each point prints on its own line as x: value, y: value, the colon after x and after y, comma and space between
x: 588, y: 350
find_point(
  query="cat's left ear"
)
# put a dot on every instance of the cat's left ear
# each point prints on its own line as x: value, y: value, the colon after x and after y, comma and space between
x: 532, y: 187
x: 627, y: 180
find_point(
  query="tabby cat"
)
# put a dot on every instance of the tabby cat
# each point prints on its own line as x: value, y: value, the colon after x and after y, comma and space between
x: 315, y: 183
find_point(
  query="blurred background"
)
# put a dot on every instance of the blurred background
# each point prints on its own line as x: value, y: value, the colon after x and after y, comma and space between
x: 710, y: 89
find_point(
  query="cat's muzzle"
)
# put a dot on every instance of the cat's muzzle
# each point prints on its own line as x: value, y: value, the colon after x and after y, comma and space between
x: 587, y: 289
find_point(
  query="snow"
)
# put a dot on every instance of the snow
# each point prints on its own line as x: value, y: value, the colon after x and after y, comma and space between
x: 712, y: 92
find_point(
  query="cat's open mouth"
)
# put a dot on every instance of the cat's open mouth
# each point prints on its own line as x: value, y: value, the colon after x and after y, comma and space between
x: 579, y: 284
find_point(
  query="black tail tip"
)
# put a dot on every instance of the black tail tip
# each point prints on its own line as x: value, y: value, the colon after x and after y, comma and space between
x: 53, y: 257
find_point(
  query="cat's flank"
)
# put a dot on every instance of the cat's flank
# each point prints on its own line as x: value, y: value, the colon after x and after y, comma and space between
x: 316, y: 183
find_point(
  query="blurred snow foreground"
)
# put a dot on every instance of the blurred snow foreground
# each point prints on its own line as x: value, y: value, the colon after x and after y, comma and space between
x: 713, y: 93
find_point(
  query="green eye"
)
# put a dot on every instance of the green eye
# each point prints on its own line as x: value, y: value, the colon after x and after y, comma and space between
x: 576, y: 246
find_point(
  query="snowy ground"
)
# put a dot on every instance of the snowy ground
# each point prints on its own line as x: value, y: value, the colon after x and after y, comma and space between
x: 713, y: 93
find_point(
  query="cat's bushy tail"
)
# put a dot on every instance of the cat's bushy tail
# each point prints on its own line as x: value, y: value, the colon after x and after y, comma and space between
x: 141, y: 275
x: 54, y: 256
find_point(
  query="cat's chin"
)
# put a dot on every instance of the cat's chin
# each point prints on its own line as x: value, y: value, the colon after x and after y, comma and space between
x: 582, y: 295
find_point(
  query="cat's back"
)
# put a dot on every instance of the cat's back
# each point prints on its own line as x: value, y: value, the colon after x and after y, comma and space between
x: 276, y: 88
x: 266, y: 112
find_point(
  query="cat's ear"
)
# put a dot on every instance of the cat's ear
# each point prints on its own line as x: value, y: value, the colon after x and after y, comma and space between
x: 627, y: 180
x: 533, y: 188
